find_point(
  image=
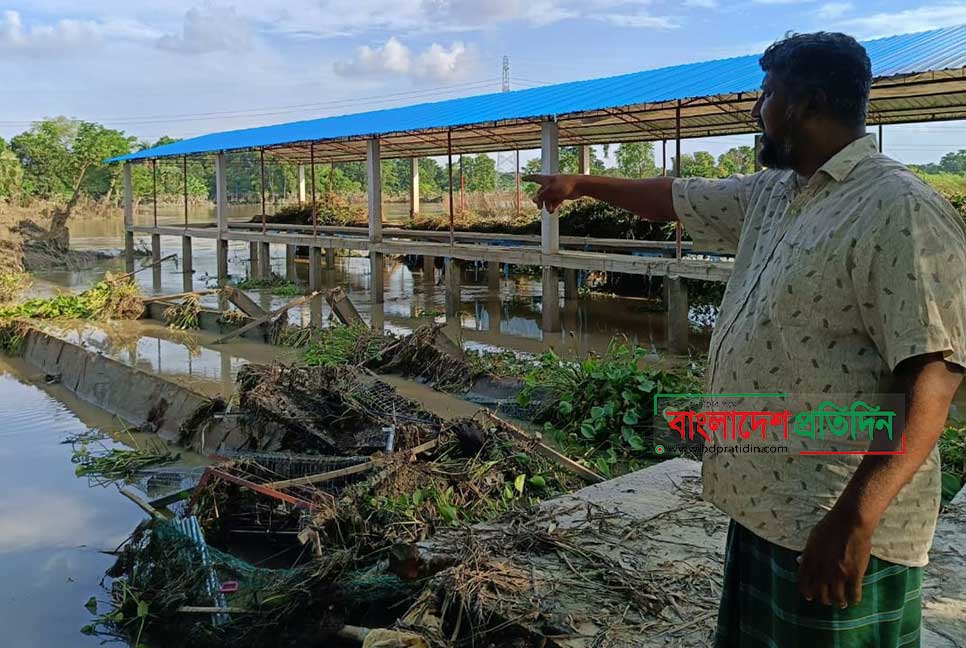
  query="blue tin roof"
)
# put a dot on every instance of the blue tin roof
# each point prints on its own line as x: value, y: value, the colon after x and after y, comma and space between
x: 935, y: 50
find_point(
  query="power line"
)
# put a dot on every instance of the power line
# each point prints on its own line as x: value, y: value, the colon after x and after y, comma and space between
x: 279, y: 110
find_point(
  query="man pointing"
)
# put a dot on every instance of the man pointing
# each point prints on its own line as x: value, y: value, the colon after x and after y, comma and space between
x: 848, y: 279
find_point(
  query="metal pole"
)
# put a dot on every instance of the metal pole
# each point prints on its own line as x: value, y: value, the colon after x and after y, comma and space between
x: 664, y: 157
x: 880, y: 137
x: 186, y: 191
x: 449, y: 155
x: 315, y: 215
x: 518, y: 181
x: 677, y: 174
x: 261, y: 162
x: 154, y: 190
x: 331, y: 178
x: 462, y: 187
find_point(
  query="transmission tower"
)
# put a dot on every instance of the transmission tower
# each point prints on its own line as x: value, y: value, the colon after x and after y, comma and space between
x: 506, y: 73
x: 506, y: 161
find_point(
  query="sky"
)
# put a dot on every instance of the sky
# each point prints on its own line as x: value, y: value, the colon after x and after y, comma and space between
x: 188, y: 67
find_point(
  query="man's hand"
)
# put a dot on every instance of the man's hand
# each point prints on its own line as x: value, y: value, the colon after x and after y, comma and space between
x: 835, y: 559
x: 554, y: 189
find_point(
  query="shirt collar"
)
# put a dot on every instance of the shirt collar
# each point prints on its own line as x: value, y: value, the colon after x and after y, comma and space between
x: 840, y: 165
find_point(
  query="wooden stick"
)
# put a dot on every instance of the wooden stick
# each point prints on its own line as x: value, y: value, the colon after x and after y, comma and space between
x: 150, y: 265
x: 147, y: 508
x: 200, y: 293
x: 546, y: 451
x: 271, y: 317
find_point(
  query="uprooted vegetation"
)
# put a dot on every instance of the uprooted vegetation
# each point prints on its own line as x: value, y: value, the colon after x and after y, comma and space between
x: 114, y: 297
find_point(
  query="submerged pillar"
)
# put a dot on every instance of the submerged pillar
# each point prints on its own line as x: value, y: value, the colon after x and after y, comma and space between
x: 493, y: 275
x: 265, y: 261
x: 551, y: 300
x: 429, y: 269
x: 128, y: 219
x: 330, y: 258
x: 290, y: 272
x: 676, y: 300
x: 253, y: 269
x: 187, y: 265
x: 570, y: 284
x: 377, y: 265
x: 221, y: 216
x: 451, y: 270
x: 315, y: 268
x: 156, y: 261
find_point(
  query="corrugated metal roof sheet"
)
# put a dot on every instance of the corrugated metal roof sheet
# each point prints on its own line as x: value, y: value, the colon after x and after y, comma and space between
x: 936, y: 50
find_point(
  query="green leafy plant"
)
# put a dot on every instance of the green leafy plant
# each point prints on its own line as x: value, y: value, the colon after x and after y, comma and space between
x: 277, y: 285
x: 952, y: 453
x: 602, y: 406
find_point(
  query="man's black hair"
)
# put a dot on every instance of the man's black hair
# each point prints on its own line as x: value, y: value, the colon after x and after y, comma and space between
x: 831, y: 62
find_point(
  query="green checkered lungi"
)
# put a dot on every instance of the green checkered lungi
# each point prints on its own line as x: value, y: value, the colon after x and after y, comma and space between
x: 761, y: 605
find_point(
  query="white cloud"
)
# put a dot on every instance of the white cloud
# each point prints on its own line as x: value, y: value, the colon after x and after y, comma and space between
x: 703, y: 4
x: 833, y: 10
x: 782, y: 2
x: 910, y: 20
x: 639, y: 20
x: 210, y: 28
x: 436, y: 63
x: 475, y: 11
x: 46, y: 40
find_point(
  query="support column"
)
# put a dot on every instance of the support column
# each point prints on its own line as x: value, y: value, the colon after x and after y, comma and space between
x: 290, y: 272
x: 551, y: 300
x: 676, y: 299
x: 493, y: 275
x: 570, y: 284
x: 549, y: 164
x: 315, y: 268
x: 187, y: 265
x: 583, y: 160
x: 265, y: 261
x: 156, y: 260
x: 330, y: 258
x: 414, y: 189
x: 128, y: 219
x: 429, y: 269
x: 315, y: 310
x: 377, y: 277
x: 451, y: 268
x: 254, y: 270
x: 880, y: 137
x: 221, y: 216
x: 301, y: 184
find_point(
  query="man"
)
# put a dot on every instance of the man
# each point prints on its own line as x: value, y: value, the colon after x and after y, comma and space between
x: 848, y: 279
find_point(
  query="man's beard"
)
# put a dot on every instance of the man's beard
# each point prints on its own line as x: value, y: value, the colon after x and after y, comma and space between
x: 777, y: 154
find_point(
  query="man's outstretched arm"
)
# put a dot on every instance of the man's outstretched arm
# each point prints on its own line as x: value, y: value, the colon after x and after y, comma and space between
x: 650, y: 199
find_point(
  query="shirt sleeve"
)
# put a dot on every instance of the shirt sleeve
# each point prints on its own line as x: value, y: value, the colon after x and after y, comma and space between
x: 712, y: 211
x: 909, y: 276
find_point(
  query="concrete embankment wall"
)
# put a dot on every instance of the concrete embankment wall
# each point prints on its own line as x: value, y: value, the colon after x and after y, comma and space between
x: 139, y: 398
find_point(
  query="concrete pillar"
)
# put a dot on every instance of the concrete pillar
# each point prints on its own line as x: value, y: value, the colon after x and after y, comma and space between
x: 429, y: 269
x: 330, y: 258
x: 187, y: 265
x: 265, y: 260
x: 551, y: 299
x: 156, y: 260
x: 377, y: 276
x: 493, y: 275
x: 494, y: 313
x: 676, y: 299
x: 128, y: 219
x: 301, y: 184
x: 549, y: 164
x: 451, y: 269
x: 290, y: 271
x: 374, y: 192
x: 315, y: 268
x: 414, y: 189
x: 221, y: 216
x: 377, y: 317
x: 583, y: 160
x: 570, y: 284
x: 253, y: 268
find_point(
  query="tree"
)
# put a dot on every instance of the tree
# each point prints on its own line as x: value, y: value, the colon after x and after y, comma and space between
x: 11, y: 173
x: 61, y: 157
x: 954, y: 162
x: 636, y: 160
x: 479, y: 172
x: 570, y: 160
x: 701, y: 164
x: 740, y: 159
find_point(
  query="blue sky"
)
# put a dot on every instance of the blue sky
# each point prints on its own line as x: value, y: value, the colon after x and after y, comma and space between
x: 164, y: 69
